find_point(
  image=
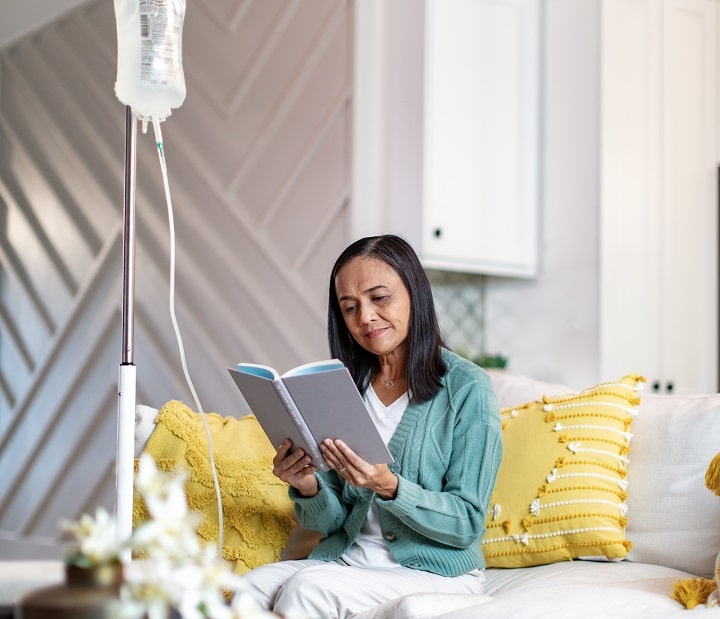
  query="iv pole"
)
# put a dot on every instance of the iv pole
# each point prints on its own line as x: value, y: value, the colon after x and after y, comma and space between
x: 127, y: 374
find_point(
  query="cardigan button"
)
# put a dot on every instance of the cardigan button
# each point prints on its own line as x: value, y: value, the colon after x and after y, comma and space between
x: 390, y: 536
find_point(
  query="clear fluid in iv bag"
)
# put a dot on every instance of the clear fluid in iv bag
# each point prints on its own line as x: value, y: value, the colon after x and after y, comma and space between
x: 149, y: 73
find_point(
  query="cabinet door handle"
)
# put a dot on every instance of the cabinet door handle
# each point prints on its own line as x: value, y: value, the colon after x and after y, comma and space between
x: 669, y: 386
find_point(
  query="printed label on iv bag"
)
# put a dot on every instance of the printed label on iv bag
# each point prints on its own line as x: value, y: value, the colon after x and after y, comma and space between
x: 150, y: 75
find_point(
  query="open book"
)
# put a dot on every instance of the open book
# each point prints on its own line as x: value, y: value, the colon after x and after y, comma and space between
x: 308, y: 404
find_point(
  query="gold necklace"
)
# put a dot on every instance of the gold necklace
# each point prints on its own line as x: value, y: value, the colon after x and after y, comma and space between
x: 390, y: 383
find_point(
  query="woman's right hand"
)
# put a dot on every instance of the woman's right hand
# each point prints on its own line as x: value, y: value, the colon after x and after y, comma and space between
x: 296, y: 469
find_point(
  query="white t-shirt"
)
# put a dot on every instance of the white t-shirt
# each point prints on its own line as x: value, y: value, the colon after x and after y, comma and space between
x: 370, y: 549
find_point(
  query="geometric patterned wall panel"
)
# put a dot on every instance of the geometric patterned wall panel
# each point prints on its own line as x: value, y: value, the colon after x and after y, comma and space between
x: 259, y: 168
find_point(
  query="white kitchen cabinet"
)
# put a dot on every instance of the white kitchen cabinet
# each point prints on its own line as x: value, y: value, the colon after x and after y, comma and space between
x: 447, y: 116
x: 659, y: 192
x: 481, y: 191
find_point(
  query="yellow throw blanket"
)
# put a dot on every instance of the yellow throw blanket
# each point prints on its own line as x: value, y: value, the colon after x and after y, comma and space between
x: 258, y: 513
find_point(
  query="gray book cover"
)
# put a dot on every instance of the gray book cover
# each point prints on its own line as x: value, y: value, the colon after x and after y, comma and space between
x: 309, y: 404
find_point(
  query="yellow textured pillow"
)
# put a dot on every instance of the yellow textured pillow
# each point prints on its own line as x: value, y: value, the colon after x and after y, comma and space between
x: 258, y: 513
x: 561, y: 488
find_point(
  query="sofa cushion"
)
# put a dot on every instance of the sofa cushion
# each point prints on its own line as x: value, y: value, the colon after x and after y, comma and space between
x: 511, y: 389
x: 588, y: 589
x: 258, y: 513
x: 561, y: 489
x: 674, y: 520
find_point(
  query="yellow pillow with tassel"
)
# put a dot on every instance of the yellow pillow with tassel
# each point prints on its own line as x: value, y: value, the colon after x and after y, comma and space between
x: 258, y: 513
x: 562, y: 483
x: 692, y: 592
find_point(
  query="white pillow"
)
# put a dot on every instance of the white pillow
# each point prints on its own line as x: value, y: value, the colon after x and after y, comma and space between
x: 144, y: 426
x: 514, y: 389
x: 673, y: 519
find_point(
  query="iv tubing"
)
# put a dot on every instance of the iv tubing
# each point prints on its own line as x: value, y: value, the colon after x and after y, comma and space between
x: 173, y: 318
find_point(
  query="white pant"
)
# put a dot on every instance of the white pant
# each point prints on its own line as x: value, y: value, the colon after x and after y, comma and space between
x: 322, y: 590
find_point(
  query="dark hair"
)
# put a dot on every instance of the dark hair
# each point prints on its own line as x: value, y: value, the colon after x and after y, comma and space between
x: 425, y: 366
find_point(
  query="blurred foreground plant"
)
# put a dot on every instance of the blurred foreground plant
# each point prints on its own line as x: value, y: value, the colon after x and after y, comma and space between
x: 176, y: 574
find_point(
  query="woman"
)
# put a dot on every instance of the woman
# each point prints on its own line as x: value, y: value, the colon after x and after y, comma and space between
x: 414, y: 525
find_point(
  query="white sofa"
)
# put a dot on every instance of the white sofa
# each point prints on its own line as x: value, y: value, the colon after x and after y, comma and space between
x: 673, y: 522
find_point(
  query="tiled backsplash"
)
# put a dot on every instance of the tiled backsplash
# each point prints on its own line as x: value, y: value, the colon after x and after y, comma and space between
x: 459, y: 302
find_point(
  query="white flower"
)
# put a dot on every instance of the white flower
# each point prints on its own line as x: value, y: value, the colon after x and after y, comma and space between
x: 171, y: 530
x: 96, y: 539
x: 193, y: 587
x: 202, y: 583
x: 178, y: 573
x: 149, y: 481
x: 149, y: 587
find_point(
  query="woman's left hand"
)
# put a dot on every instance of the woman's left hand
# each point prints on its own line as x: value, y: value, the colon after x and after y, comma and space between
x: 356, y: 471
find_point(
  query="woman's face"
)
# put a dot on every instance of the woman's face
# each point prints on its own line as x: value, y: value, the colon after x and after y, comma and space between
x: 374, y: 303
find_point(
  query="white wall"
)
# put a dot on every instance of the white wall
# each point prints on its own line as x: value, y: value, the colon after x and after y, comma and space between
x: 549, y: 327
x: 20, y: 17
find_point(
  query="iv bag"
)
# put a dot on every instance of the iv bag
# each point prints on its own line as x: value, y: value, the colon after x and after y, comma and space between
x: 149, y: 71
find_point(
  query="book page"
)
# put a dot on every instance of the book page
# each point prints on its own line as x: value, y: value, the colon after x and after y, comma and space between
x: 315, y: 367
x: 258, y: 370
